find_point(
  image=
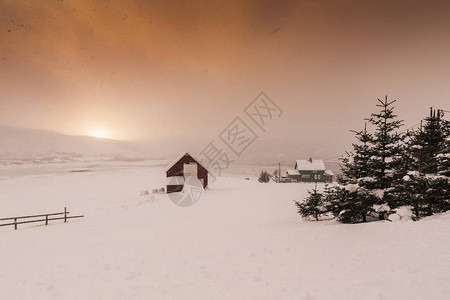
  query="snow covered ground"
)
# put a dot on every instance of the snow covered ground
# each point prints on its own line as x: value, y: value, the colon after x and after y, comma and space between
x: 242, y: 240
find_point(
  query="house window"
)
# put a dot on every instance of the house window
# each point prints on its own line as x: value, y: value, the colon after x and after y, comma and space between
x: 305, y: 176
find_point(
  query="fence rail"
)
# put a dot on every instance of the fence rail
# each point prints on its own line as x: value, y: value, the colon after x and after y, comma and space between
x: 46, y: 219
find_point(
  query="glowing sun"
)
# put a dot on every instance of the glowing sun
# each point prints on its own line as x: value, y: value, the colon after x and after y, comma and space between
x: 98, y: 133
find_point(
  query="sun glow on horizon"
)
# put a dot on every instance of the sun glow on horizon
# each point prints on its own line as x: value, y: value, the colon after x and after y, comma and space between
x: 98, y: 133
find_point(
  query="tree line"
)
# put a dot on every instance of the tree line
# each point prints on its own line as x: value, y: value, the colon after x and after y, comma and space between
x: 389, y: 173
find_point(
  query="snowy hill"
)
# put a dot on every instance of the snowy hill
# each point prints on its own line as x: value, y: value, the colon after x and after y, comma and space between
x: 19, y: 145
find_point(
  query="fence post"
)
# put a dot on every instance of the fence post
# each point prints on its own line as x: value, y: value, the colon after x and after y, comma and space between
x: 65, y: 215
x: 15, y: 223
x: 46, y: 219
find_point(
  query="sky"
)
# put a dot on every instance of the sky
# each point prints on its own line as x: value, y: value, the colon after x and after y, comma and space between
x: 176, y: 73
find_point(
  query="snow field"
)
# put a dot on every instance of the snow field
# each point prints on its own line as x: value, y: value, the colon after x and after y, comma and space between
x: 242, y: 240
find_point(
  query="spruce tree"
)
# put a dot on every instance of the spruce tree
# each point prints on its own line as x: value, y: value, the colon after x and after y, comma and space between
x: 385, y: 146
x: 371, y: 168
x: 356, y: 166
x: 436, y: 167
x: 426, y: 187
x: 414, y: 187
x: 332, y: 200
x: 404, y: 189
x: 443, y: 155
x: 434, y: 142
x: 264, y: 177
x: 384, y: 171
x: 350, y: 201
x: 313, y: 205
x: 355, y: 203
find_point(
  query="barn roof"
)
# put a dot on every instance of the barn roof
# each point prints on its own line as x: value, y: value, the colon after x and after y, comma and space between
x: 180, y: 157
x: 309, y: 165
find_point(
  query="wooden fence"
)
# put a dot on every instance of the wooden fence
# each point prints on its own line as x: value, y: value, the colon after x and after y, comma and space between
x: 40, y: 218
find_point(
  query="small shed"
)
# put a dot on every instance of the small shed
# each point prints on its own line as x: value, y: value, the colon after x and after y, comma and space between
x: 180, y: 169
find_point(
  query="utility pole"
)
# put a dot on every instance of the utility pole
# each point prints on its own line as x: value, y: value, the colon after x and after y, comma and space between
x: 420, y: 150
x: 279, y: 173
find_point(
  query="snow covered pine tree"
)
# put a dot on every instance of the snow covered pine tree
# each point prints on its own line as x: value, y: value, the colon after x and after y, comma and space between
x: 386, y: 161
x: 369, y: 169
x: 312, y: 206
x: 426, y: 186
x: 385, y: 146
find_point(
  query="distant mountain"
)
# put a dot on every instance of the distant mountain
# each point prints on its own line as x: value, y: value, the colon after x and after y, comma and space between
x: 20, y: 145
x: 29, y: 145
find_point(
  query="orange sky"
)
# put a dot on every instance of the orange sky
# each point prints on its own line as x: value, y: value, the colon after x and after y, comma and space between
x: 164, y: 69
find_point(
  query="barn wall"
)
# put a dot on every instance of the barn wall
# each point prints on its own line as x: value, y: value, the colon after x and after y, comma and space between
x: 174, y: 188
x: 177, y: 170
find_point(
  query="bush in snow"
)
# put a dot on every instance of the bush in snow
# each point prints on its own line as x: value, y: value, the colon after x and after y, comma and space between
x: 264, y: 177
x: 313, y: 206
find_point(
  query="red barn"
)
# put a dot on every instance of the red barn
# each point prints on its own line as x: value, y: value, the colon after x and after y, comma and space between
x: 181, y: 168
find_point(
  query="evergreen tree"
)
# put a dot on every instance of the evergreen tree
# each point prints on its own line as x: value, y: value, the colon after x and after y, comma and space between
x: 436, y: 167
x: 386, y: 172
x: 443, y: 157
x: 355, y: 203
x: 356, y: 166
x: 427, y: 187
x: 385, y: 146
x: 351, y: 202
x: 434, y: 142
x: 404, y: 189
x: 370, y: 167
x: 415, y: 154
x: 414, y: 189
x: 264, y: 177
x: 438, y: 195
x: 313, y: 205
x: 332, y: 201
x: 427, y: 195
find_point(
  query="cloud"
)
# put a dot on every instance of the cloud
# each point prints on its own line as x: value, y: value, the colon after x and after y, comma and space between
x: 148, y: 68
